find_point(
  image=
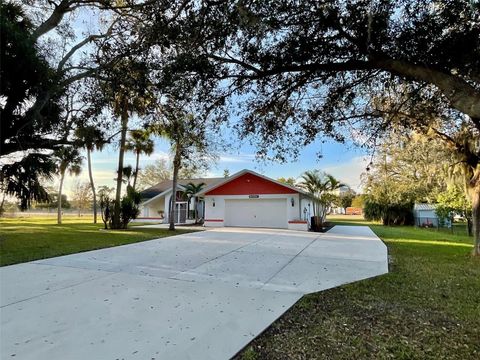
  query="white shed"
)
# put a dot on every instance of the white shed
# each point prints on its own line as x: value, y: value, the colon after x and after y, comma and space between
x: 425, y: 216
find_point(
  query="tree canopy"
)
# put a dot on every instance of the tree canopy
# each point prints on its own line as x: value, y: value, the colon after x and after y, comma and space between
x: 316, y: 67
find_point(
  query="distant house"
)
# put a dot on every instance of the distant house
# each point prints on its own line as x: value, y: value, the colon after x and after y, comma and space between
x: 156, y: 201
x: 425, y: 216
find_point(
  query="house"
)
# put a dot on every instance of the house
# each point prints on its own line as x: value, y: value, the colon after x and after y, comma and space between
x: 248, y: 199
x: 155, y: 203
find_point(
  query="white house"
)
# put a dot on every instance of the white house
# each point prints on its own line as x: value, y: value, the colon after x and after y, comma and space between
x: 248, y: 199
x: 156, y: 201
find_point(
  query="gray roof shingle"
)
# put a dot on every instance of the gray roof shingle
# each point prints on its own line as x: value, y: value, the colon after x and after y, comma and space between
x: 167, y: 184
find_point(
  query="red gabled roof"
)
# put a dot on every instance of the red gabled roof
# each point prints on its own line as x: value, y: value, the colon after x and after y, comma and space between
x: 247, y: 182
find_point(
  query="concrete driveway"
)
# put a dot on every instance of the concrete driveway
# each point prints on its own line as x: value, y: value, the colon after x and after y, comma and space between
x: 202, y: 295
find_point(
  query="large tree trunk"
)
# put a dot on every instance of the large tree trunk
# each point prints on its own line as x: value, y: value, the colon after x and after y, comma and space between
x: 475, y: 195
x: 173, y: 202
x: 196, y: 209
x: 92, y: 185
x: 136, y: 171
x: 2, y: 204
x: 116, y: 212
x: 59, y: 200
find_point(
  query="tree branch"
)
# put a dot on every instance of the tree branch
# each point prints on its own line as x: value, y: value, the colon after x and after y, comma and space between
x: 462, y: 96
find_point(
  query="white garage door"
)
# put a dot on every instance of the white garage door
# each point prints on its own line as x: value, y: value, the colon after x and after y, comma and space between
x: 268, y: 213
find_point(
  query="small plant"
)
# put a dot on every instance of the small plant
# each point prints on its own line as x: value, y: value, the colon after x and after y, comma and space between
x: 129, y: 208
x: 106, y: 205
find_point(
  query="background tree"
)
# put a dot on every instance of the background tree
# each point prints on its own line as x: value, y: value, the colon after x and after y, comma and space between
x: 161, y: 170
x: 453, y: 202
x: 153, y: 174
x: 192, y: 170
x: 417, y: 165
x: 82, y: 197
x: 140, y: 143
x: 345, y: 200
x: 226, y: 173
x: 52, y: 203
x: 68, y: 160
x: 358, y: 201
x: 91, y: 138
x: 289, y: 181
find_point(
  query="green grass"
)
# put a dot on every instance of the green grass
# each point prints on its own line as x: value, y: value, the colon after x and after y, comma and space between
x: 33, y: 238
x: 427, y: 307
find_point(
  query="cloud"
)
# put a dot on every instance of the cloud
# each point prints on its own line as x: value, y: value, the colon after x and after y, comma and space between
x: 240, y: 158
x: 349, y: 172
x: 157, y: 155
x: 101, y: 177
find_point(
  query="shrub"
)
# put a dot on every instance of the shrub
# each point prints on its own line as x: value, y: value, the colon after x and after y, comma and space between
x: 389, y: 214
x: 129, y: 208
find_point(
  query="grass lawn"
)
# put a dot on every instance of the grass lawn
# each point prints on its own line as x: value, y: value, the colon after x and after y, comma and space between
x: 427, y: 307
x: 32, y: 238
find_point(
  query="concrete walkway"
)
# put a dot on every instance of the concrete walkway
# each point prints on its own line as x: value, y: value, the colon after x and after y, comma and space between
x: 202, y: 295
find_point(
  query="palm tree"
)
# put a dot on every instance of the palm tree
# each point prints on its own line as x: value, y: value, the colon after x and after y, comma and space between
x: 191, y: 189
x: 128, y: 91
x: 140, y: 143
x: 127, y: 173
x: 186, y: 137
x: 320, y: 185
x: 68, y: 159
x: 312, y: 182
x: 334, y: 183
x: 91, y: 138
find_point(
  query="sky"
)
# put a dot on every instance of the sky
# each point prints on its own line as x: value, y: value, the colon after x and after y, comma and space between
x: 344, y: 161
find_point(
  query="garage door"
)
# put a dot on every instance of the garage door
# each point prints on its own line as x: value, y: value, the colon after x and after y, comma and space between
x: 269, y: 213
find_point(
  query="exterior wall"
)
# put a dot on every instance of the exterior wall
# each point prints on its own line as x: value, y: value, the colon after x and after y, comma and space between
x: 166, y: 205
x: 151, y: 209
x: 298, y: 225
x: 305, y: 215
x: 426, y: 218
x: 215, y: 215
x: 250, y: 184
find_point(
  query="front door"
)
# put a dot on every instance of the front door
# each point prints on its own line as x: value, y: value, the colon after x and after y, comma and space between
x: 181, y: 212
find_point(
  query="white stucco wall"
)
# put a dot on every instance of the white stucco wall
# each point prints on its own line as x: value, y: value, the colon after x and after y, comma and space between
x: 217, y: 212
x: 304, y: 205
x: 300, y: 226
x: 151, y: 209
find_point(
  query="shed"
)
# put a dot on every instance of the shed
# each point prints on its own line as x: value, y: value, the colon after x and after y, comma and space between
x: 425, y: 216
